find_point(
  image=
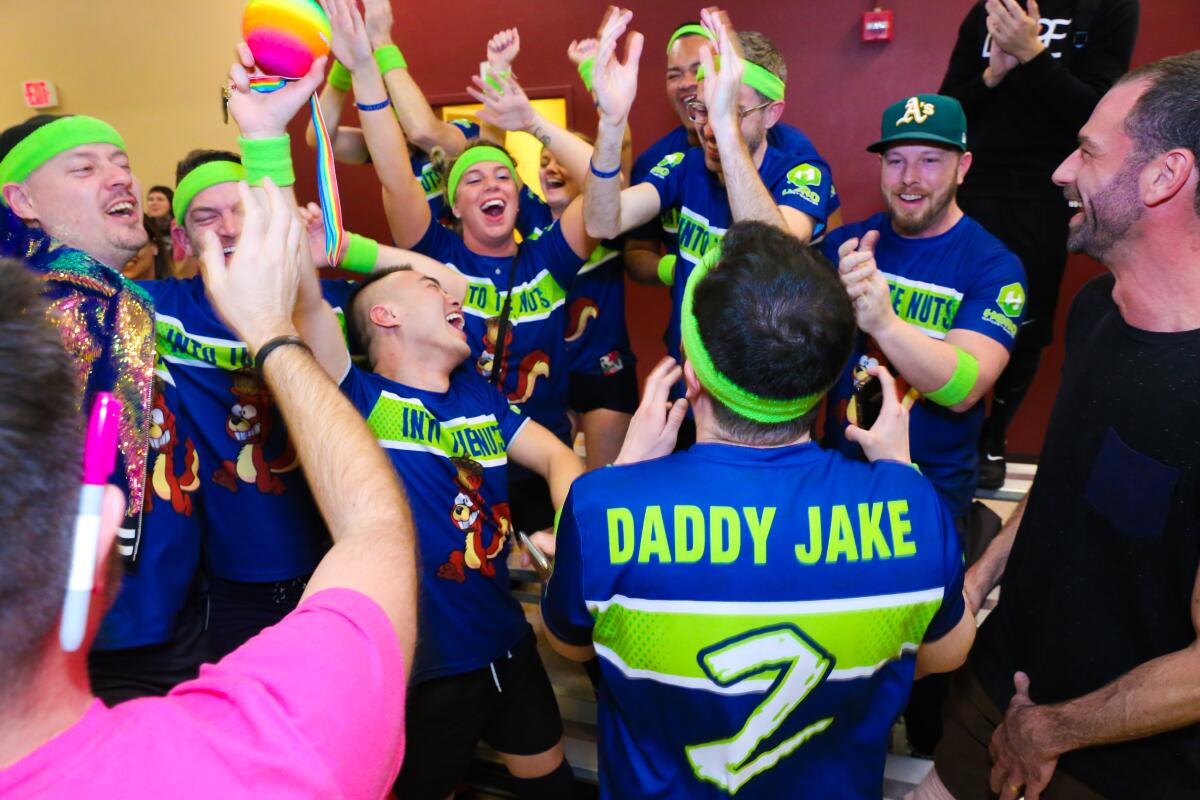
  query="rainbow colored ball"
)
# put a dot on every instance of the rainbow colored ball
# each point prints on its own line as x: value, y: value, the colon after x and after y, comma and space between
x: 286, y: 36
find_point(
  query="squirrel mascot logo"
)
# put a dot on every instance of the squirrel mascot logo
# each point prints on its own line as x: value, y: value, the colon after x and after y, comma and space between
x: 859, y: 373
x: 164, y: 439
x: 250, y: 423
x: 470, y: 515
x: 533, y: 366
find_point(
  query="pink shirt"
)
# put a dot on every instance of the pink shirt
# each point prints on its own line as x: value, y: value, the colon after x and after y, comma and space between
x: 311, y: 707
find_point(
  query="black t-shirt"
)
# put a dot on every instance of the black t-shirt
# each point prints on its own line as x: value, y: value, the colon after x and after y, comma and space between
x: 1024, y: 127
x: 1101, y: 573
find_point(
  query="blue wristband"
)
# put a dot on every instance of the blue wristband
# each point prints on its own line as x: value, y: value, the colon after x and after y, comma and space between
x: 599, y: 174
x: 374, y: 106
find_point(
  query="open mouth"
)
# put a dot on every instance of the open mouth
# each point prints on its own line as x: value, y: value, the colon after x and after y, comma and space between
x: 157, y: 442
x: 455, y: 320
x: 910, y: 199
x: 242, y: 436
x: 555, y: 182
x: 494, y: 208
x: 122, y: 209
x: 228, y: 250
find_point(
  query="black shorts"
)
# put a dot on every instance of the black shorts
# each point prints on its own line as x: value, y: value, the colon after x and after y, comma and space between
x: 509, y: 705
x: 615, y: 392
x: 529, y: 502
x: 153, y: 670
x: 238, y: 611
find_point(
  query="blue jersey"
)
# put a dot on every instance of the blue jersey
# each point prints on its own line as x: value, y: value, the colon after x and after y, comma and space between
x: 534, y: 369
x: 597, y: 338
x: 756, y: 613
x: 431, y: 180
x: 260, y: 521
x: 684, y: 182
x: 964, y: 278
x: 781, y: 136
x: 451, y: 449
x: 155, y: 588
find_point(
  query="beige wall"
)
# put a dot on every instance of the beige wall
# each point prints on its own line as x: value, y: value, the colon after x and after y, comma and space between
x: 151, y: 68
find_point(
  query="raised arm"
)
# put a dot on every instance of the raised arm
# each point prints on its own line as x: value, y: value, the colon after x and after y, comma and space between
x: 509, y: 109
x: 349, y: 147
x: 607, y: 210
x: 404, y: 200
x: 355, y: 487
x: 749, y: 198
x: 422, y: 127
x: 539, y: 450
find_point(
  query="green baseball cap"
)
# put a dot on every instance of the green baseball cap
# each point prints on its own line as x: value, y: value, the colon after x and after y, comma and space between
x: 924, y: 117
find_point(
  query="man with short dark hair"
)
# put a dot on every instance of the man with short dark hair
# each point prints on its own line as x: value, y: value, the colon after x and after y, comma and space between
x: 1086, y: 676
x: 452, y: 437
x: 312, y: 708
x: 759, y: 604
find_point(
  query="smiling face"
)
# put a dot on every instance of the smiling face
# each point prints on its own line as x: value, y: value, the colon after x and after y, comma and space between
x: 558, y: 187
x: 683, y: 62
x: 218, y: 209
x: 1101, y: 178
x: 919, y: 182
x: 486, y: 202
x: 754, y: 124
x: 157, y: 205
x: 415, y: 312
x: 87, y: 198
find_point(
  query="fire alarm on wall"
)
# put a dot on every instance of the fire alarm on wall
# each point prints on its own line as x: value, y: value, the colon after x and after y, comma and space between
x: 877, y: 26
x: 40, y: 94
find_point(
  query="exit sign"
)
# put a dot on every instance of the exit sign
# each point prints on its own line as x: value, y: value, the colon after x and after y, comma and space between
x: 40, y: 94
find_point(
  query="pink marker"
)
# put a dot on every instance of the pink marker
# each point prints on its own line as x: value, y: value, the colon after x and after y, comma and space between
x: 99, y: 459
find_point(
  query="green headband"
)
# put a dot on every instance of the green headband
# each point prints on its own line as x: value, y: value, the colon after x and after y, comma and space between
x: 201, y: 178
x: 471, y: 157
x: 762, y: 80
x: 767, y: 410
x: 53, y: 139
x: 689, y: 30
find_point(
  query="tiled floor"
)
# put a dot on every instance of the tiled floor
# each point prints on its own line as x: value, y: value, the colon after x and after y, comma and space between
x: 578, y: 704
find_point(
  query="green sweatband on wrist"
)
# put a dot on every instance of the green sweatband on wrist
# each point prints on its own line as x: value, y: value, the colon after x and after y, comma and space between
x: 689, y: 30
x: 53, y: 139
x: 268, y: 158
x: 760, y: 79
x: 339, y: 77
x: 361, y: 254
x: 666, y: 270
x: 492, y: 79
x: 201, y: 178
x: 389, y: 58
x: 585, y: 71
x: 966, y: 374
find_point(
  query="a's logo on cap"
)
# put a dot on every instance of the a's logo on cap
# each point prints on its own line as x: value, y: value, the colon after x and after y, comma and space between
x: 916, y: 111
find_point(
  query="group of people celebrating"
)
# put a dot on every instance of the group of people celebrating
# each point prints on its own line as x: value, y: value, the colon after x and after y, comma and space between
x: 323, y: 479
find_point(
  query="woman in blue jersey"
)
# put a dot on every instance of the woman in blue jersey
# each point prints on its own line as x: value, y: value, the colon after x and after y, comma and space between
x: 515, y: 305
x: 602, y: 367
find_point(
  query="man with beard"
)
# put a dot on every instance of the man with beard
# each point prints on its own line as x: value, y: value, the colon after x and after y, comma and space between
x: 937, y: 298
x: 1093, y: 649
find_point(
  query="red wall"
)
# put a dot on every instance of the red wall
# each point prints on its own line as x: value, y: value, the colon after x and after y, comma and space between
x: 837, y: 88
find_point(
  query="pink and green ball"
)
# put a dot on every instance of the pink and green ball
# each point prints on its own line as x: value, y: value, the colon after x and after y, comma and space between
x: 286, y: 36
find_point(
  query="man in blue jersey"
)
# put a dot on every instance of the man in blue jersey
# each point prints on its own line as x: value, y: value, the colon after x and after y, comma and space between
x: 736, y: 176
x: 643, y: 246
x: 939, y: 301
x: 450, y: 434
x: 937, y: 298
x: 759, y: 605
